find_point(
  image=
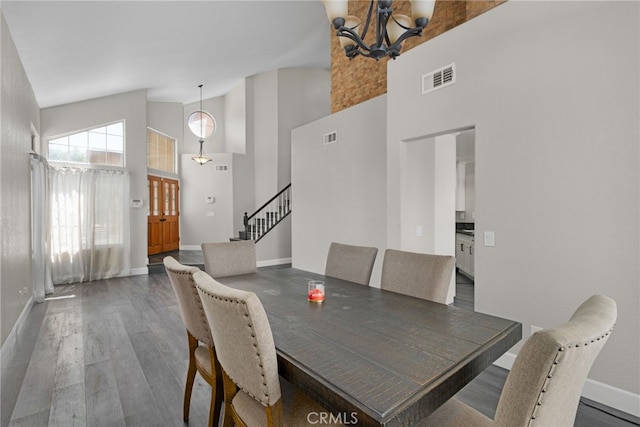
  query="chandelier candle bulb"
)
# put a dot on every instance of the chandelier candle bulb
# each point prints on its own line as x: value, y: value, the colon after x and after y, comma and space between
x: 336, y: 8
x: 352, y: 22
x: 420, y: 10
x: 396, y: 26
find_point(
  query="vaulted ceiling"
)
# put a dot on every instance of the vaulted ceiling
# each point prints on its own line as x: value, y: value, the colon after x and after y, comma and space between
x: 76, y: 50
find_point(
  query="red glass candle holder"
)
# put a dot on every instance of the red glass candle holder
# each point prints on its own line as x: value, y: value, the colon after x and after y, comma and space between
x: 315, y: 291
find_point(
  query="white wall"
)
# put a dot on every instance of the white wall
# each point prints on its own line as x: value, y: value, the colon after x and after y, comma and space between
x: 258, y: 116
x: 280, y: 101
x: 18, y: 112
x: 197, y: 182
x: 131, y: 107
x: 235, y: 119
x: 427, y: 195
x: 552, y: 89
x: 265, y: 126
x: 339, y: 189
x: 166, y: 118
x: 304, y: 95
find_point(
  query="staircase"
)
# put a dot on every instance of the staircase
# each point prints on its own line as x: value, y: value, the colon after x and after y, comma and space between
x: 258, y: 224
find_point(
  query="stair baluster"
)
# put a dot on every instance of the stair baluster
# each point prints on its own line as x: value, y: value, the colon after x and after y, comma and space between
x: 263, y: 220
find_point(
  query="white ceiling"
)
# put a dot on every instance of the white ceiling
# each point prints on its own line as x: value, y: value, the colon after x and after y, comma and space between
x: 76, y: 50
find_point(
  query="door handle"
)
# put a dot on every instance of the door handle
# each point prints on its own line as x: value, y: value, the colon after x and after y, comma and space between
x: 163, y: 219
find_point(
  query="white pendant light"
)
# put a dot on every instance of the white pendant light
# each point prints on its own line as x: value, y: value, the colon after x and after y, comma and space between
x: 203, y: 125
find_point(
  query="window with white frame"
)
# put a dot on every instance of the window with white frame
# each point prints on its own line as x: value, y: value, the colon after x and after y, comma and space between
x: 103, y: 145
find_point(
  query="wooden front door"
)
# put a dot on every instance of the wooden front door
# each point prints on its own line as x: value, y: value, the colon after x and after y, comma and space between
x: 163, y: 230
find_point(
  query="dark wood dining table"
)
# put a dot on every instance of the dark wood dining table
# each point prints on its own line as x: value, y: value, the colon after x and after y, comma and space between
x: 374, y: 356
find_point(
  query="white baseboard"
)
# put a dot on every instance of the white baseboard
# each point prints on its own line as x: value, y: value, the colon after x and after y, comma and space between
x: 8, y: 346
x: 270, y: 262
x: 190, y: 247
x: 139, y: 271
x: 605, y: 394
x: 621, y: 400
x: 506, y: 361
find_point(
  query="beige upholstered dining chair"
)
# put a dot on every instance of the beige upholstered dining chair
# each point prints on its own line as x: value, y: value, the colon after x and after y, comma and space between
x: 202, y: 356
x: 244, y: 343
x: 352, y: 263
x: 423, y: 276
x: 229, y: 258
x: 543, y: 387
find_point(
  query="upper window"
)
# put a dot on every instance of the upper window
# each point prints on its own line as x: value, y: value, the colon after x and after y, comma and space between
x: 99, y: 146
x: 161, y: 152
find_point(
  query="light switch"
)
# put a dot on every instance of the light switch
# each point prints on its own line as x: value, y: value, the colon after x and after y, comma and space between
x: 419, y: 231
x: 489, y: 238
x: 211, y: 213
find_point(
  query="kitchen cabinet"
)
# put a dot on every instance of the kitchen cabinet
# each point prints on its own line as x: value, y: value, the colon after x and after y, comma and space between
x: 465, y: 254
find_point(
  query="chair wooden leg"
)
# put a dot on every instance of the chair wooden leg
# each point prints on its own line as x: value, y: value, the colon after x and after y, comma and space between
x: 274, y: 414
x: 217, y: 390
x: 191, y: 375
x: 230, y: 391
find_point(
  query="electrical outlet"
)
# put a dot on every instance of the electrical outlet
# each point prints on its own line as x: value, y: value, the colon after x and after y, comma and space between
x: 24, y: 292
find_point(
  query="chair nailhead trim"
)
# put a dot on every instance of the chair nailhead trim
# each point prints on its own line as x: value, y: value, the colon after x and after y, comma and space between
x: 556, y: 361
x: 253, y: 335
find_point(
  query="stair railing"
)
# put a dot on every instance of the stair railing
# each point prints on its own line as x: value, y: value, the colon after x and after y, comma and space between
x: 263, y: 220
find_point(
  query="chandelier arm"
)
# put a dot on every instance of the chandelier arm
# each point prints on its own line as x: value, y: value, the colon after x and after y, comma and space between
x: 381, y: 26
x: 352, y: 35
x: 411, y: 32
x: 366, y: 24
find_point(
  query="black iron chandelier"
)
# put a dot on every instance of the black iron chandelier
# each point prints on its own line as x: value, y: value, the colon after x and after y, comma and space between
x: 391, y: 30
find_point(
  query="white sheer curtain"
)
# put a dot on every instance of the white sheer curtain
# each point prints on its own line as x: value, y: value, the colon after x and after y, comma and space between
x: 89, y: 224
x: 41, y: 261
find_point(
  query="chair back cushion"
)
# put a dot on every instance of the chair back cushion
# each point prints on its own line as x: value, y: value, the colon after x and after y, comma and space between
x: 544, y: 385
x: 423, y: 276
x: 243, y: 339
x: 352, y: 263
x: 193, y: 317
x: 229, y: 258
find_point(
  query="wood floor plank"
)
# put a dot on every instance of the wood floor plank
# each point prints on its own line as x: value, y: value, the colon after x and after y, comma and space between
x: 134, y: 392
x: 33, y: 420
x: 68, y: 406
x: 153, y: 365
x: 102, y: 399
x: 70, y: 362
x: 96, y: 345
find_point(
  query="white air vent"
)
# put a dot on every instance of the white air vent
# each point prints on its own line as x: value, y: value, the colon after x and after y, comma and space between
x: 438, y: 79
x: 222, y: 168
x: 331, y: 137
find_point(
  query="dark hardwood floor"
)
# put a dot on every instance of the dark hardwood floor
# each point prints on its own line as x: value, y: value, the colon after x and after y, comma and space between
x: 113, y: 353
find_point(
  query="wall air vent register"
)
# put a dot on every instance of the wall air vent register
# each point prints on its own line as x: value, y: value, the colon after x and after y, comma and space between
x: 331, y: 137
x: 438, y: 79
